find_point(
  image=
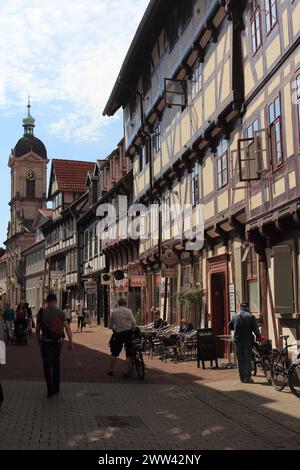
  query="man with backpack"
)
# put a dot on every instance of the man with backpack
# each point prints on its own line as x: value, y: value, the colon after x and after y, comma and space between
x: 51, y: 323
x: 244, y: 326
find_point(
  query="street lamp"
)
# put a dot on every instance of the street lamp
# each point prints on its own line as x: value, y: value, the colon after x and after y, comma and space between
x: 89, y: 269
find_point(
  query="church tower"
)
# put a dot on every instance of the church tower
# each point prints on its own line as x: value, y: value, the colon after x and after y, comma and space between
x: 28, y: 163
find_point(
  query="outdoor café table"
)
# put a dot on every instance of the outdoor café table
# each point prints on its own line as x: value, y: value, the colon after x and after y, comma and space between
x: 231, y: 349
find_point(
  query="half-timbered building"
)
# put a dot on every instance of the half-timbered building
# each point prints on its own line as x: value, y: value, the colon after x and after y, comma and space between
x: 208, y: 90
x: 104, y: 184
x: 67, y: 192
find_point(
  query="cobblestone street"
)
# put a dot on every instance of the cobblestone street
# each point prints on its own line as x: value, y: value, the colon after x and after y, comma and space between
x: 177, y: 407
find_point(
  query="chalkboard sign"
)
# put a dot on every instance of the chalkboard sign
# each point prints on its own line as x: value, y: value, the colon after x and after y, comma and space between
x: 206, y: 350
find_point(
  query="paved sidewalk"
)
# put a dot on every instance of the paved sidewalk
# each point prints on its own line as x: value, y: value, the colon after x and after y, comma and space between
x: 179, y: 407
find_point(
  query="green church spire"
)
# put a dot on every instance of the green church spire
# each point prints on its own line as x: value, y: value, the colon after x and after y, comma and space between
x: 28, y: 121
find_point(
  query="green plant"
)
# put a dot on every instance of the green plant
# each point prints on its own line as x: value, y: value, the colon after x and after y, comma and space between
x: 191, y: 296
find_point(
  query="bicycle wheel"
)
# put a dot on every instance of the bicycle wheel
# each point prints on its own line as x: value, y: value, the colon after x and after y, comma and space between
x: 294, y: 379
x: 266, y: 367
x: 278, y: 374
x: 139, y: 365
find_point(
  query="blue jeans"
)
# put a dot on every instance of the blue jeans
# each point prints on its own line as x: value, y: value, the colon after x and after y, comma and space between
x: 243, y: 354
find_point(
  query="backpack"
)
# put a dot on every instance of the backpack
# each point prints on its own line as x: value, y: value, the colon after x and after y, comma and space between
x: 54, y: 329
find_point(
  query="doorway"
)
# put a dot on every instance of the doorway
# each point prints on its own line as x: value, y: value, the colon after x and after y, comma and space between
x: 218, y: 310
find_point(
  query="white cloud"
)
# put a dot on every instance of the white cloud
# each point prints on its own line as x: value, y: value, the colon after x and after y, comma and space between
x: 66, y: 54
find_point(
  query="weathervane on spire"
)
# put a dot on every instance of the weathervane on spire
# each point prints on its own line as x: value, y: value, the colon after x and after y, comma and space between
x: 28, y: 121
x: 29, y: 105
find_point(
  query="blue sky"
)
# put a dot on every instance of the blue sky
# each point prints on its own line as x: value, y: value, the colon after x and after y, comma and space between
x: 66, y: 55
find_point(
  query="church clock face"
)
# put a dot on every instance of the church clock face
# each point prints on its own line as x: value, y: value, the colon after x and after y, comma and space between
x: 30, y: 175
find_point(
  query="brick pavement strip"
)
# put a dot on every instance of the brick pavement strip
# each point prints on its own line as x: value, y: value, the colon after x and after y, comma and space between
x: 178, y: 407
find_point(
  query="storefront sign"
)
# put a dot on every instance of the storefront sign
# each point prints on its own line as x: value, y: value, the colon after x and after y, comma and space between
x: 57, y: 275
x: 90, y: 285
x: 169, y: 272
x: 138, y: 281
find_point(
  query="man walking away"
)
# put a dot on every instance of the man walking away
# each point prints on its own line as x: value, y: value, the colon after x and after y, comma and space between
x: 121, y: 322
x: 52, y: 322
x: 9, y: 318
x: 244, y: 325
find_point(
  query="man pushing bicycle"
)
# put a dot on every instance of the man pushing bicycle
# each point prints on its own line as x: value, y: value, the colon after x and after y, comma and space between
x: 121, y: 322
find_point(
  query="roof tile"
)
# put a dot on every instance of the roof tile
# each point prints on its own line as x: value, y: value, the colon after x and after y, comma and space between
x: 71, y: 174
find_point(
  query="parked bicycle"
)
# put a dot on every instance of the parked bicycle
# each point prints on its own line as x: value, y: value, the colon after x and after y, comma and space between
x: 261, y: 357
x: 137, y: 360
x: 283, y: 372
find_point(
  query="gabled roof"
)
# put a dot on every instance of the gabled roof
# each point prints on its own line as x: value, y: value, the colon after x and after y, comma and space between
x: 46, y: 212
x: 42, y: 216
x: 70, y: 175
x: 138, y: 53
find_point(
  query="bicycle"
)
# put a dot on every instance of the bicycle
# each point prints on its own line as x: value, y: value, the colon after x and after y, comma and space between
x: 294, y: 377
x: 137, y: 359
x: 282, y: 371
x: 261, y: 358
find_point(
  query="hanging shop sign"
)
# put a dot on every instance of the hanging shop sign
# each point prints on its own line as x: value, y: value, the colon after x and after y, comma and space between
x: 90, y: 285
x: 169, y: 272
x: 138, y: 281
x: 169, y: 258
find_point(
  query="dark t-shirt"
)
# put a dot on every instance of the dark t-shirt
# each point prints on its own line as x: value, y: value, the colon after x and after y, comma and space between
x: 51, y: 321
x: 244, y: 325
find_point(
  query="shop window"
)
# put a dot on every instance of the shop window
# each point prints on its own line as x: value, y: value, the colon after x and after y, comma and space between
x: 274, y: 118
x: 283, y: 280
x: 222, y: 164
x: 271, y: 14
x: 255, y: 27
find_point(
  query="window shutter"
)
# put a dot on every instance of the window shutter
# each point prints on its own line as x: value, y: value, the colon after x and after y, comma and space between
x: 283, y: 280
